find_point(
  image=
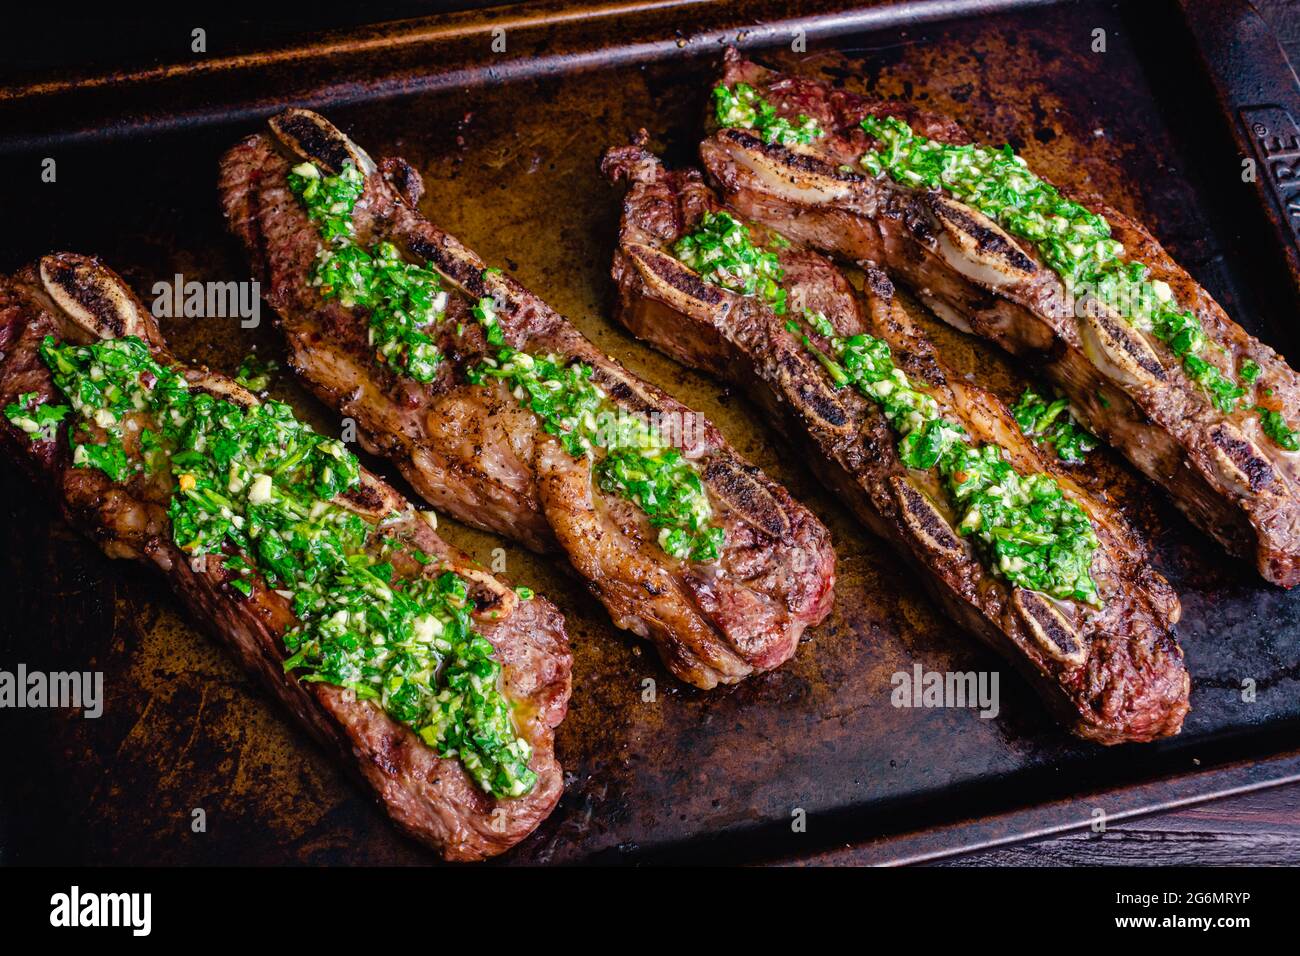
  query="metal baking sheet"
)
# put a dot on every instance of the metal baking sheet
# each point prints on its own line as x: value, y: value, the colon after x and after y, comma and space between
x: 809, y: 763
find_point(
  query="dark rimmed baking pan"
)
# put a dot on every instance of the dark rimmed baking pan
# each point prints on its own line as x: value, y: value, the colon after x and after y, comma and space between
x: 810, y: 763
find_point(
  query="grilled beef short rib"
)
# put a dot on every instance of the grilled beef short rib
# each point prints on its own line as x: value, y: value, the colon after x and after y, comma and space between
x: 1125, y: 386
x: 1112, y: 675
x: 473, y: 451
x: 433, y: 798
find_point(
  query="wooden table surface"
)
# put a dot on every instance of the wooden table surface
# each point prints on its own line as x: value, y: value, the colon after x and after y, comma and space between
x: 1255, y: 829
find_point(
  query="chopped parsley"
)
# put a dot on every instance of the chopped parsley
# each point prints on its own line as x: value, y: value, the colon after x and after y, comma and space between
x: 632, y: 458
x: 38, y: 419
x: 1025, y: 527
x: 403, y: 299
x: 742, y: 107
x: 258, y: 487
x: 722, y: 252
x: 1074, y: 241
x: 255, y: 374
x: 485, y: 313
x: 1043, y: 421
x: 1275, y: 427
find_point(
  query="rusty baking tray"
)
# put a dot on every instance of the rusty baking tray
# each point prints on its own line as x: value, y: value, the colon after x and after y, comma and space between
x: 508, y: 143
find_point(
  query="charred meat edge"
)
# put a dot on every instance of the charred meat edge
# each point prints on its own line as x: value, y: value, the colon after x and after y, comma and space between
x: 76, y: 298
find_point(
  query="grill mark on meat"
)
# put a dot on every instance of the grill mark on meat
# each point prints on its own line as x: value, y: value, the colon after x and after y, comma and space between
x: 329, y: 150
x: 1244, y: 456
x: 792, y: 160
x: 1113, y: 674
x: 986, y: 239
x: 430, y: 797
x: 473, y: 451
x: 879, y: 283
x: 404, y: 179
x: 1054, y: 634
x: 685, y: 280
x: 935, y: 534
x: 1117, y: 337
x: 740, y: 486
x: 73, y: 281
x: 815, y: 397
x: 488, y: 601
x: 365, y: 496
x: 621, y: 392
x: 455, y: 267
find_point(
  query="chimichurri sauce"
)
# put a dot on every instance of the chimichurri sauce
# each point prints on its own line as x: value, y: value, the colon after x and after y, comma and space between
x: 742, y: 107
x: 632, y: 458
x: 256, y: 487
x: 1028, y: 531
x: 1050, y: 422
x: 1075, y: 243
x: 403, y: 299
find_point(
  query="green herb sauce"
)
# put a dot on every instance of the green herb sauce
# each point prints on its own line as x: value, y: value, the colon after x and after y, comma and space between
x: 257, y: 486
x: 1074, y: 241
x: 722, y: 251
x: 1029, y: 532
x: 637, y: 464
x: 37, y: 419
x: 1275, y: 427
x: 403, y: 299
x: 1044, y: 422
x: 255, y: 374
x: 741, y: 107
